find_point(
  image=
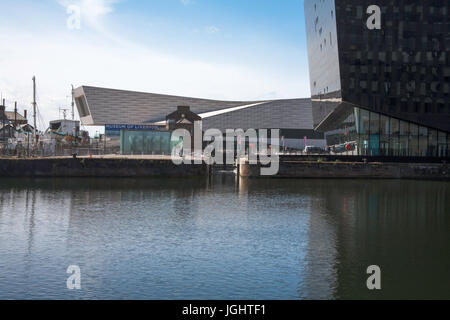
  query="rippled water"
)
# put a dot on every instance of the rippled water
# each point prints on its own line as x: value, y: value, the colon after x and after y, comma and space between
x: 200, y: 239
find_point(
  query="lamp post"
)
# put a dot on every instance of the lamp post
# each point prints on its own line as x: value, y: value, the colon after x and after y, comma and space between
x: 3, y: 116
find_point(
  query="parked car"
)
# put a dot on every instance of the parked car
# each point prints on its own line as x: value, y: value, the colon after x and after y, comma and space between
x: 313, y: 150
x: 345, y: 147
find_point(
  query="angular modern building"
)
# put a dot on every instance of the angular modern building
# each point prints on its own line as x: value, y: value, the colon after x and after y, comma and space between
x: 380, y: 75
x: 119, y: 109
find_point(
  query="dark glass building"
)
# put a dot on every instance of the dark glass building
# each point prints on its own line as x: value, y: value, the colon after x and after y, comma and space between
x: 380, y: 75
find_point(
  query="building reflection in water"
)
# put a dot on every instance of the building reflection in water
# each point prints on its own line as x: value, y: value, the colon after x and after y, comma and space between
x: 401, y: 226
x: 215, y: 238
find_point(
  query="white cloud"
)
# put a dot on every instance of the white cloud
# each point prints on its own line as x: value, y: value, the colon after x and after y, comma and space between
x: 187, y: 2
x: 212, y: 29
x: 93, y: 12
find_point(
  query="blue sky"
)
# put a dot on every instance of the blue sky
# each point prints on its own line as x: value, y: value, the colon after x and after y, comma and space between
x: 221, y: 49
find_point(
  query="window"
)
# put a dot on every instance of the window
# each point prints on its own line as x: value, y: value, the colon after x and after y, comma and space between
x: 374, y: 123
x: 394, y: 145
x: 374, y: 141
x: 413, y: 140
x: 403, y: 139
x: 448, y: 145
x: 442, y: 144
x: 384, y: 135
x: 423, y: 141
x: 364, y: 126
x: 82, y: 106
x: 432, y: 143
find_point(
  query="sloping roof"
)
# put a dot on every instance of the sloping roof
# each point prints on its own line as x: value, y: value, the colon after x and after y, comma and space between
x: 111, y: 106
x: 18, y: 116
x: 277, y: 114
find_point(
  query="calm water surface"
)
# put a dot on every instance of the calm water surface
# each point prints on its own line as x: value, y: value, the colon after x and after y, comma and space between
x: 200, y: 239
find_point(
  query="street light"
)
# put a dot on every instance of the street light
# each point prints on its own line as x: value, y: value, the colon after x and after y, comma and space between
x: 3, y: 116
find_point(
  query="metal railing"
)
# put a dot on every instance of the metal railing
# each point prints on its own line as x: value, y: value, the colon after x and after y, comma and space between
x: 48, y: 152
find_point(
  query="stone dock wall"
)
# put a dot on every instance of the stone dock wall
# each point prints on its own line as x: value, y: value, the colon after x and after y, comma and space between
x: 86, y: 167
x: 353, y: 170
x: 118, y: 167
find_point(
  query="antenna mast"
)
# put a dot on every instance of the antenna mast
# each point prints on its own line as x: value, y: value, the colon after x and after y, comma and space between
x: 34, y: 107
x: 73, y: 103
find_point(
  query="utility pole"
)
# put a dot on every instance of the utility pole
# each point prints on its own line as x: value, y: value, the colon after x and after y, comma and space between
x: 73, y: 103
x: 15, y: 115
x: 34, y: 108
x: 3, y: 115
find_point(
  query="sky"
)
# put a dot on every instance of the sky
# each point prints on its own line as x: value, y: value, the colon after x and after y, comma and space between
x: 217, y: 49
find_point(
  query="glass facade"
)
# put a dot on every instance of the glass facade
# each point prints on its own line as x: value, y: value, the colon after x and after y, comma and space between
x: 394, y: 137
x: 146, y: 143
x: 397, y: 76
x: 442, y: 144
x: 373, y: 134
x: 448, y: 145
x: 364, y: 131
x: 384, y: 136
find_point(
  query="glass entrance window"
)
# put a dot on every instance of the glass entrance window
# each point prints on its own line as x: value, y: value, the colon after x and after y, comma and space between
x: 380, y: 135
x: 384, y: 135
x: 448, y: 145
x: 423, y: 141
x: 442, y: 144
x: 403, y: 139
x: 374, y: 140
x: 394, y: 145
x: 413, y: 142
x: 432, y: 143
x: 364, y: 130
x: 350, y: 130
